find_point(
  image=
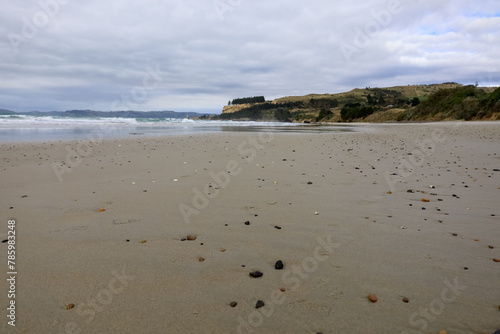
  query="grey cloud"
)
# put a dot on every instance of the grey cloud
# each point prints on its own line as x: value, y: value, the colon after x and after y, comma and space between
x: 89, y: 54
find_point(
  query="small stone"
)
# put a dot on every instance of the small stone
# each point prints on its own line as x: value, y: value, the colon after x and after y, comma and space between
x: 201, y: 259
x: 278, y: 265
x: 283, y: 290
x: 405, y: 300
x: 70, y: 306
x: 389, y: 192
x: 496, y: 260
x: 256, y: 274
x: 454, y: 234
x: 277, y: 227
x: 259, y: 304
x: 183, y: 239
x: 101, y: 210
x: 490, y: 247
x: 191, y: 237
x: 233, y: 304
x: 372, y: 298
x: 425, y: 200
x: 247, y: 223
x: 410, y: 191
x: 309, y: 182
x: 222, y: 250
x: 143, y: 241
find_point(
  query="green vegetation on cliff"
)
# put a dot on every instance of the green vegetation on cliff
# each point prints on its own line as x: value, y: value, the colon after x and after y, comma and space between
x: 402, y: 103
x: 461, y: 103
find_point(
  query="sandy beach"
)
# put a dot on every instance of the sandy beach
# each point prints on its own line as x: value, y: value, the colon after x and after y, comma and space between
x: 398, y: 211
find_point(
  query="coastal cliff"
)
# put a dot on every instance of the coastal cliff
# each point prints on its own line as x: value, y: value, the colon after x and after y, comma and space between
x: 436, y: 102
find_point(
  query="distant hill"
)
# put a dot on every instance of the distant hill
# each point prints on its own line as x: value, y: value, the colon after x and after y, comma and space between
x: 399, y: 103
x: 6, y: 112
x: 113, y: 114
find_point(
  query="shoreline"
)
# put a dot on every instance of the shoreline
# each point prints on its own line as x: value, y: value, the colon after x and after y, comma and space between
x: 107, y: 234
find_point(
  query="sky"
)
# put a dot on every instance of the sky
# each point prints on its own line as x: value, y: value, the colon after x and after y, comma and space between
x: 196, y: 55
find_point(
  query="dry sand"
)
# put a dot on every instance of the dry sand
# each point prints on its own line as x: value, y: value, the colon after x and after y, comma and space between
x: 355, y: 231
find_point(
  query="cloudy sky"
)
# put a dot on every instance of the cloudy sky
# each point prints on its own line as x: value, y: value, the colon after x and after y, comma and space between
x: 195, y: 55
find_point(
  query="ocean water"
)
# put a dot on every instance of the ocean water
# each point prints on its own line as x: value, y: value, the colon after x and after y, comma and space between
x: 21, y: 128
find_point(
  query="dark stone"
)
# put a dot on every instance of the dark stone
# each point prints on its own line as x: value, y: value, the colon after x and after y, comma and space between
x: 277, y: 227
x: 278, y: 265
x: 309, y: 182
x: 259, y: 304
x: 454, y: 234
x: 256, y: 274
x: 233, y: 304
x: 247, y: 223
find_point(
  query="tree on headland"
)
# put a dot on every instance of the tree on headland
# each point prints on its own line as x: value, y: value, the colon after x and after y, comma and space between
x: 244, y: 100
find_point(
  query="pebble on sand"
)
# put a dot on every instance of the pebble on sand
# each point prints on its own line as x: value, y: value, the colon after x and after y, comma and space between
x: 259, y: 304
x: 70, y: 306
x: 247, y: 223
x: 278, y: 265
x: 101, y: 210
x: 496, y: 260
x: 233, y: 304
x: 256, y: 274
x: 405, y: 300
x: 201, y: 259
x: 191, y: 237
x: 143, y: 241
x: 425, y: 200
x: 372, y: 298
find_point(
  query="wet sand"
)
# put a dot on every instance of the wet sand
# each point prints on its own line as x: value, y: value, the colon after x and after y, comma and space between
x: 401, y: 211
